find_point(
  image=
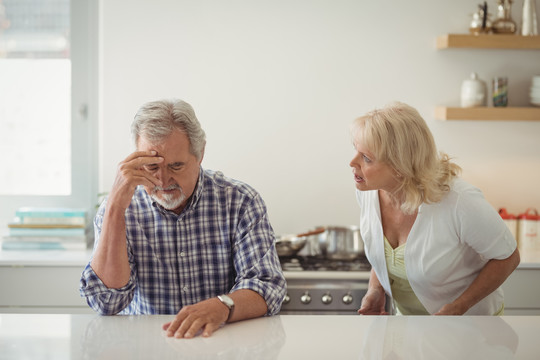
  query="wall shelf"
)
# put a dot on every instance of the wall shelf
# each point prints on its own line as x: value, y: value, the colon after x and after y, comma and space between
x: 488, y: 41
x: 488, y: 113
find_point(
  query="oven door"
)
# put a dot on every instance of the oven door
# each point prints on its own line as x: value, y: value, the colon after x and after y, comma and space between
x: 328, y: 297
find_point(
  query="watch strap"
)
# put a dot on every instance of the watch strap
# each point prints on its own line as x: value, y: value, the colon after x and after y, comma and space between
x: 228, y: 302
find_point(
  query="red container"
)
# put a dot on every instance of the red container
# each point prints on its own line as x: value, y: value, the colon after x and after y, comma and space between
x: 510, y: 221
x: 528, y: 237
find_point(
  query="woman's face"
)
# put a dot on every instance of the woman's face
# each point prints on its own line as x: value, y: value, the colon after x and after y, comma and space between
x: 370, y: 173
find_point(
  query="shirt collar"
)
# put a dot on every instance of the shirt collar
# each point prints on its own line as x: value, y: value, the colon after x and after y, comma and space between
x: 197, y: 193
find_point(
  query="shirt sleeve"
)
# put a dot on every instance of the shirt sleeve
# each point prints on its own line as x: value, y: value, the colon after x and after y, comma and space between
x: 255, y: 257
x: 482, y: 228
x: 100, y: 298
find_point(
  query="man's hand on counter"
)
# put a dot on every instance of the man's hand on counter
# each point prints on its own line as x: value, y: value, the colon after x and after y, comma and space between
x: 206, y: 316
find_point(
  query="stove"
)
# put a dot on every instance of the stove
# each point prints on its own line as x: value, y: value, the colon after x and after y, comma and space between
x: 324, y: 286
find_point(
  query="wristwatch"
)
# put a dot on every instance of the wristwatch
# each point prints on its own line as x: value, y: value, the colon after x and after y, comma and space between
x: 228, y: 302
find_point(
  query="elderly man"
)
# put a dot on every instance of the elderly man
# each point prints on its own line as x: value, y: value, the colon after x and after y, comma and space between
x: 174, y: 238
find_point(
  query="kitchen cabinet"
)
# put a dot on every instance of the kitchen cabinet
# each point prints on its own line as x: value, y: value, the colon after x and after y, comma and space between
x: 48, y: 282
x: 488, y: 41
x: 42, y: 282
x: 522, y: 291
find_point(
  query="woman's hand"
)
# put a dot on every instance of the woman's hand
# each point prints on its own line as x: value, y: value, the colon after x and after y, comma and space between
x: 451, y: 309
x: 375, y: 299
x: 373, y: 303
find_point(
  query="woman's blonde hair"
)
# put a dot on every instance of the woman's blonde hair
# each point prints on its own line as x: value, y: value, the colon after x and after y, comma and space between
x: 398, y: 136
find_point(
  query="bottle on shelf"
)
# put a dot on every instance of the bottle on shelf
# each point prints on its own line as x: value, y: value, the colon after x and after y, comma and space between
x: 529, y: 24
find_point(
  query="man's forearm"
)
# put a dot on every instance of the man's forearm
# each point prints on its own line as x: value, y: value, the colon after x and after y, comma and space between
x: 248, y: 305
x: 110, y: 260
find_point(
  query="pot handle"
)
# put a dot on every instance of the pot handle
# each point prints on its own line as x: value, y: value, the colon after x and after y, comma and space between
x: 314, y: 232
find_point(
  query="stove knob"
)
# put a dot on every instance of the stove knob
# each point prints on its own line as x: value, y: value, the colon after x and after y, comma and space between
x: 306, y: 298
x: 326, y: 299
x: 286, y: 299
x: 347, y: 299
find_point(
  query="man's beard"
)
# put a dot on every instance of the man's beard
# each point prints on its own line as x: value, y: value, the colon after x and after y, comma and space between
x: 169, y: 201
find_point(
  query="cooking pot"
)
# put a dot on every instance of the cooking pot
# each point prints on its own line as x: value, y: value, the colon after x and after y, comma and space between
x: 290, y: 245
x: 341, y: 243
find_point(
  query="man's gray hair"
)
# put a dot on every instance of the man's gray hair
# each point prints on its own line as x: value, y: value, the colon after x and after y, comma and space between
x: 156, y: 120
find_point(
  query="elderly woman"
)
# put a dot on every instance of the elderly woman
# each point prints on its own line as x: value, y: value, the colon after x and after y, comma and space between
x: 435, y: 244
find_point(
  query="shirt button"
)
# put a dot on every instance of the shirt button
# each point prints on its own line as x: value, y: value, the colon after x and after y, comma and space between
x: 182, y: 253
x: 185, y: 288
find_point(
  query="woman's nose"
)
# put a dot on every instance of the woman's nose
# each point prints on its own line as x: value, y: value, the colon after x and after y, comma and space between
x: 354, y: 161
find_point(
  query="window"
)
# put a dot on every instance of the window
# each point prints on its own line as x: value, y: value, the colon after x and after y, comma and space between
x: 48, y: 57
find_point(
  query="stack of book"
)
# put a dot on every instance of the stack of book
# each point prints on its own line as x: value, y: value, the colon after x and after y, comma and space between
x: 48, y: 229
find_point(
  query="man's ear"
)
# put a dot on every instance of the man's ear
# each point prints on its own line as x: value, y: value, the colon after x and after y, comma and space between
x: 202, y: 154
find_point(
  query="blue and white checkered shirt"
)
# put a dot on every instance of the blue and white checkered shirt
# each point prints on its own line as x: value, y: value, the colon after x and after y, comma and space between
x: 221, y: 242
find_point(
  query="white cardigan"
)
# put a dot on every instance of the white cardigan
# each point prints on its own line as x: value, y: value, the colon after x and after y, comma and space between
x: 448, y: 245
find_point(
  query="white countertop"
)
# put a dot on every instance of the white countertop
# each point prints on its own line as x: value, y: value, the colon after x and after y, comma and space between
x: 280, y: 337
x: 44, y: 257
x: 81, y: 258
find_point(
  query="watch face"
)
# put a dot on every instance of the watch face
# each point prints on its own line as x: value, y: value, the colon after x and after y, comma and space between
x: 226, y: 300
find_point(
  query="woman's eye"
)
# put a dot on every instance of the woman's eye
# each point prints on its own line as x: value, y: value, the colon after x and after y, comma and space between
x: 366, y: 159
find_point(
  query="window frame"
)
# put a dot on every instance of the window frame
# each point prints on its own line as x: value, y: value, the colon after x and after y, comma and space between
x: 84, y: 120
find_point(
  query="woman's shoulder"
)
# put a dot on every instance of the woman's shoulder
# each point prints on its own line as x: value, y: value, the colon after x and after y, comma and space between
x: 466, y: 198
x: 459, y: 185
x: 461, y: 193
x: 462, y: 190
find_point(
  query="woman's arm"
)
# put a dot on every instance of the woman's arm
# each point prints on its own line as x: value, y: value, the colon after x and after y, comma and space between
x: 490, y: 278
x: 374, y: 301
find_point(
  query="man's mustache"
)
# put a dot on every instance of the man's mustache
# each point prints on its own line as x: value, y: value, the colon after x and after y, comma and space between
x: 170, y: 187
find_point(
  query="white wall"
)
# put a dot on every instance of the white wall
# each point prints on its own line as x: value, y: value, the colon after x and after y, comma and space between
x: 277, y: 83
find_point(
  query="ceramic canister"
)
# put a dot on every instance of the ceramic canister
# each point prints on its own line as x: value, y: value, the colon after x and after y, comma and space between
x: 473, y: 92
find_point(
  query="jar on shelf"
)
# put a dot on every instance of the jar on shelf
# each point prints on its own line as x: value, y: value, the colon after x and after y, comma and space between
x: 473, y: 92
x: 504, y: 24
x: 500, y: 91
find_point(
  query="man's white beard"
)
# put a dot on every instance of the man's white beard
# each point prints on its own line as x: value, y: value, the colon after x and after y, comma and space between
x: 169, y: 201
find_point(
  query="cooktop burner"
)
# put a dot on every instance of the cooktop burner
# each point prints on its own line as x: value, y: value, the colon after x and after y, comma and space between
x: 304, y: 263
